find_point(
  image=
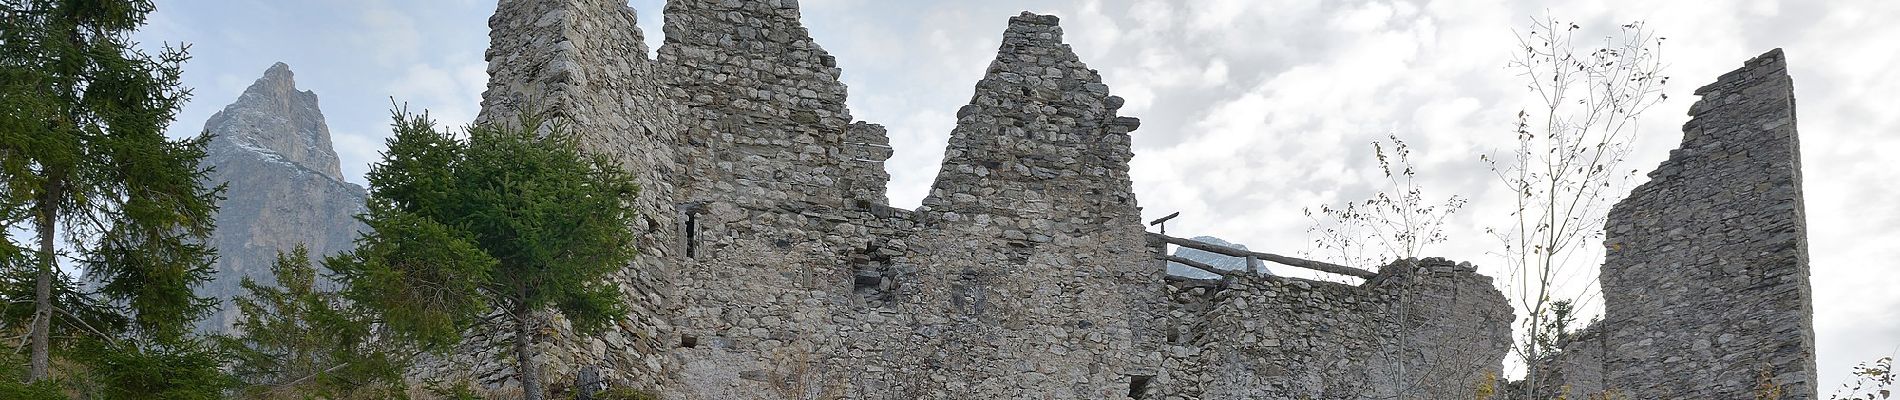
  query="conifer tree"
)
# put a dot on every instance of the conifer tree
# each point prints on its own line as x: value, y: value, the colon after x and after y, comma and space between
x: 85, y: 163
x: 506, y: 220
x: 298, y: 339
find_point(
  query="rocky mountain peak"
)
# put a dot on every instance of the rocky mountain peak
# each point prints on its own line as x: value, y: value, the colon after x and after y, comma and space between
x: 272, y: 150
x: 279, y: 123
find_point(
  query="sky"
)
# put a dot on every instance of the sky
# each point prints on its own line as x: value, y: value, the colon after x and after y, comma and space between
x: 1252, y: 110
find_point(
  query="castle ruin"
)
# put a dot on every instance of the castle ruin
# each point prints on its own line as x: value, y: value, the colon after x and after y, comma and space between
x: 772, y: 266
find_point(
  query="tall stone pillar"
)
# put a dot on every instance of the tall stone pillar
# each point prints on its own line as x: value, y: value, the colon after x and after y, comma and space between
x: 1706, y: 277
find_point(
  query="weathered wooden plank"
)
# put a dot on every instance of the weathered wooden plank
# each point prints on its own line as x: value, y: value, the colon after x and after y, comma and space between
x: 1276, y: 258
x: 1199, y: 265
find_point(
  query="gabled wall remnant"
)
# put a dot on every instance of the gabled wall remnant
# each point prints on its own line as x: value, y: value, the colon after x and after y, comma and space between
x: 1031, y: 257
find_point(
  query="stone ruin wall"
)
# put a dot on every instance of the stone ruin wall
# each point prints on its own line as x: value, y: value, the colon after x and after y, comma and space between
x: 1706, y: 278
x: 772, y: 266
x: 1426, y: 328
x: 1031, y: 266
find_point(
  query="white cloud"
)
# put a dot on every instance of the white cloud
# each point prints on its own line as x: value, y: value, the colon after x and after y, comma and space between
x: 452, y: 94
x: 388, y: 32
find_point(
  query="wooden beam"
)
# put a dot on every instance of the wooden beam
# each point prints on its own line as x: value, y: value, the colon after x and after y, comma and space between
x: 1173, y: 278
x: 1199, y: 265
x: 1297, y: 262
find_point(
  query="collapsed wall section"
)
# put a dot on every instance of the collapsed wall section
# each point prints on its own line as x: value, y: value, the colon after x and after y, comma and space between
x: 582, y: 64
x: 1424, y: 328
x: 1706, y: 278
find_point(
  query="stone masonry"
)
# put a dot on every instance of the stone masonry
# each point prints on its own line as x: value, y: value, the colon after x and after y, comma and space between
x: 1706, y: 279
x: 1428, y: 329
x: 772, y: 266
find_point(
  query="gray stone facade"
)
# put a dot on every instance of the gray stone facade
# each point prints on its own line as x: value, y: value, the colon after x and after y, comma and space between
x: 772, y: 266
x: 1427, y: 329
x: 1706, y: 278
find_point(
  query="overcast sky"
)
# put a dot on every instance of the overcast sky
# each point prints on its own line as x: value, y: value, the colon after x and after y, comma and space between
x: 1251, y: 109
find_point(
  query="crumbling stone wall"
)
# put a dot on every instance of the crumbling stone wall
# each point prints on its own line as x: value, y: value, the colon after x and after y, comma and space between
x: 767, y: 118
x: 819, y: 289
x: 772, y: 266
x: 783, y: 209
x: 1423, y: 328
x: 1706, y: 279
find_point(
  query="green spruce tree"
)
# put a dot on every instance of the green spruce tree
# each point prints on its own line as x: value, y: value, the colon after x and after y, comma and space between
x: 86, y: 162
x: 298, y: 339
x: 504, y: 221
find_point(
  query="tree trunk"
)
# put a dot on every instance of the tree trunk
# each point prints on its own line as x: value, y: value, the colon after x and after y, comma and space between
x: 526, y: 368
x: 41, y: 331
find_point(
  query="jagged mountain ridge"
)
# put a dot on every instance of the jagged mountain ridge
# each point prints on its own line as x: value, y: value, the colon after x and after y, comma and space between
x: 284, y: 187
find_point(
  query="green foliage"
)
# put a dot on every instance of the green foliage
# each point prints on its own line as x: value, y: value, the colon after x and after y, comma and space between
x: 13, y: 385
x: 87, y: 114
x: 81, y: 314
x: 557, y: 221
x: 86, y: 162
x: 169, y: 369
x: 505, y: 218
x: 298, y: 340
x: 625, y: 394
x: 1557, y: 319
x: 423, y: 277
x: 155, y: 250
x: 42, y: 390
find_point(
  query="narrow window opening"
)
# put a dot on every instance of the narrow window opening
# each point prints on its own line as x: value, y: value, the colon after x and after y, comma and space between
x: 689, y: 341
x: 1138, y: 386
x: 692, y: 235
x: 689, y: 228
